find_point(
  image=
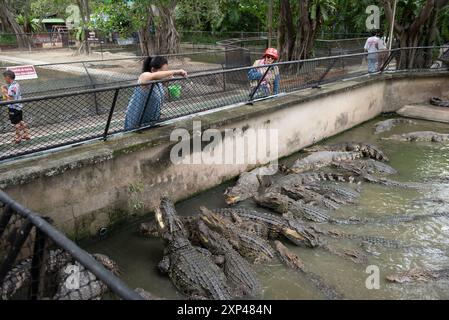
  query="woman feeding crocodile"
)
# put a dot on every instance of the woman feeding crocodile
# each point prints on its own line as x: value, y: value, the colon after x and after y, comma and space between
x: 142, y: 108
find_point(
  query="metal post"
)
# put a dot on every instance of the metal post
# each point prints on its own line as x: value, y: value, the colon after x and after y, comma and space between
x: 92, y: 83
x: 15, y: 249
x: 37, y: 265
x: 251, y: 96
x: 114, y: 283
x: 7, y: 214
x: 111, y: 113
x: 146, y: 105
x: 387, y: 62
x: 317, y: 86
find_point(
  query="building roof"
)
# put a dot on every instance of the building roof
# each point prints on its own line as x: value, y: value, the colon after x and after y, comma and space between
x: 50, y: 20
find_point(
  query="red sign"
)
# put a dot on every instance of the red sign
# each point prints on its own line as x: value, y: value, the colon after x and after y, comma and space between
x: 24, y: 72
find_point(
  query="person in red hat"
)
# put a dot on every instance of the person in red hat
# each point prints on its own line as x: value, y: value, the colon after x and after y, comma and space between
x: 271, y: 82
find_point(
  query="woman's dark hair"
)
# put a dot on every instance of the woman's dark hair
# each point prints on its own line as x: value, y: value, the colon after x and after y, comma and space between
x: 153, y: 62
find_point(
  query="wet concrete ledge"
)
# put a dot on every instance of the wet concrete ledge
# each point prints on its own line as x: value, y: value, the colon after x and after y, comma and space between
x: 99, y: 184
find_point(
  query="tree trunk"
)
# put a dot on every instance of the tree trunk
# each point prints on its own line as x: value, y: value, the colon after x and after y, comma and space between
x: 168, y: 36
x: 147, y: 39
x: 85, y: 15
x: 286, y: 36
x: 306, y: 31
x: 10, y: 23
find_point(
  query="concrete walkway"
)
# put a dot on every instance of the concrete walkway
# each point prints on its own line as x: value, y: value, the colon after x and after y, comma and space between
x: 425, y: 112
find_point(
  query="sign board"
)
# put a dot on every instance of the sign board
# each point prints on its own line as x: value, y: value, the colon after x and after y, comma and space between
x: 92, y: 37
x: 24, y: 72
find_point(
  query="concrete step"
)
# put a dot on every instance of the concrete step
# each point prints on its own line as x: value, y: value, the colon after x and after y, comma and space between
x: 425, y: 112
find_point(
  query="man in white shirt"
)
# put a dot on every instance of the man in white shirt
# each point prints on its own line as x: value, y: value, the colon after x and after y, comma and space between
x: 372, y: 47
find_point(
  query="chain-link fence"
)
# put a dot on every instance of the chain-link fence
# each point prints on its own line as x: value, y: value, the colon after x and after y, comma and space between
x: 73, y: 117
x: 37, y: 262
x: 57, y: 78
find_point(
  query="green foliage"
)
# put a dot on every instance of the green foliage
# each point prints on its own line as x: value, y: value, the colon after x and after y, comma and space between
x: 114, y: 16
x: 44, y: 8
x: 444, y: 25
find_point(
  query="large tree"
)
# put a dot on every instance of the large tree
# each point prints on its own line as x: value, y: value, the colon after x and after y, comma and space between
x: 154, y: 21
x: 415, y: 26
x: 7, y: 16
x: 296, y: 40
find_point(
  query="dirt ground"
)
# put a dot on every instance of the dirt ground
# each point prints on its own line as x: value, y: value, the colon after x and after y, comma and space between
x: 64, y: 55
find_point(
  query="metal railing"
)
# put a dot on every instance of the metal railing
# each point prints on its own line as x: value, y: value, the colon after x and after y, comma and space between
x: 35, y: 260
x: 75, y: 117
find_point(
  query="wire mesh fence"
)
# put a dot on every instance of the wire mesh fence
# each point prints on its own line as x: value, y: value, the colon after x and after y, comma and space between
x: 73, y: 117
x: 37, y: 262
x: 57, y: 78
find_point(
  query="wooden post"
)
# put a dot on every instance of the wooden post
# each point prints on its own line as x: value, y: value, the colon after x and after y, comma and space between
x: 270, y: 22
x: 392, y: 25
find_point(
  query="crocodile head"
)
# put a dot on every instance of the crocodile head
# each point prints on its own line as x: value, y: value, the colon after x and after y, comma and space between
x: 167, y: 219
x: 275, y: 201
x: 108, y: 263
x: 213, y: 220
x: 396, y: 137
x: 207, y: 237
x: 246, y: 187
x: 301, y: 235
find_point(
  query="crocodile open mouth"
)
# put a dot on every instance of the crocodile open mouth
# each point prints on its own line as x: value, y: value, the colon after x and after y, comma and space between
x: 230, y: 200
x: 159, y: 218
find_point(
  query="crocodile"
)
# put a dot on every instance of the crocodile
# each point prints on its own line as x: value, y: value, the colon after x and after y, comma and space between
x: 439, y: 102
x: 291, y: 229
x: 425, y: 136
x: 300, y: 192
x: 237, y: 270
x: 288, y: 207
x: 145, y: 294
x: 366, y: 149
x: 276, y: 184
x: 414, y: 275
x: 20, y: 274
x: 365, y: 166
x: 249, y: 245
x: 335, y: 192
x: 387, y: 125
x: 90, y: 288
x: 248, y: 184
x: 291, y: 260
x: 322, y: 159
x: 365, y: 239
x: 191, y: 270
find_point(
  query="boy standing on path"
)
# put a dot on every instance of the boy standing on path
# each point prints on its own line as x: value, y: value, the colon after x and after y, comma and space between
x: 12, y: 92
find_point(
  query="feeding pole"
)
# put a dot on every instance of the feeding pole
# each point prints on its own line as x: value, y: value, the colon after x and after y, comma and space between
x: 393, y: 21
x: 270, y: 22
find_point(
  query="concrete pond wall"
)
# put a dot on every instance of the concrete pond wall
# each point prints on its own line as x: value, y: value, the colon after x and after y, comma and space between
x: 99, y: 184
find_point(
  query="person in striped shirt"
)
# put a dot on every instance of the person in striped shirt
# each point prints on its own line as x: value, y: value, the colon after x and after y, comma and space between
x: 12, y: 92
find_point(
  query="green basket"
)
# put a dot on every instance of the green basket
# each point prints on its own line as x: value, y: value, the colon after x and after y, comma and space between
x: 175, y: 91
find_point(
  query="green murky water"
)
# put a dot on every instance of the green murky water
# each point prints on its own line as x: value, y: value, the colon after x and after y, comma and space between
x: 138, y: 257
